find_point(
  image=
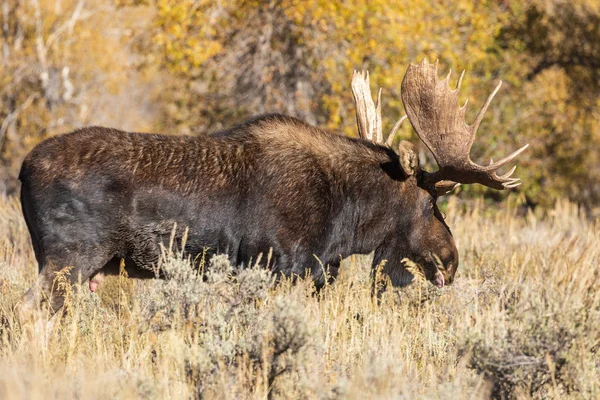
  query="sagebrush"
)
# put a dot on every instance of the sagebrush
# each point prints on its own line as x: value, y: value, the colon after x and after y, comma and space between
x: 520, y: 321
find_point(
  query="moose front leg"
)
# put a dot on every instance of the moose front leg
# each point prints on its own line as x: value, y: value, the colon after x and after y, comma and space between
x: 387, y: 268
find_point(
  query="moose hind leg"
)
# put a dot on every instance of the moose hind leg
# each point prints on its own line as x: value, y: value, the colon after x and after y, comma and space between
x: 59, y: 270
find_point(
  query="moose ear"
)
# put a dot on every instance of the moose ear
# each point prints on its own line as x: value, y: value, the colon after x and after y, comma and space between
x: 409, y: 158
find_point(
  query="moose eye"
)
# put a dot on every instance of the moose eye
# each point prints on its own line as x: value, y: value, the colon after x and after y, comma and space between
x: 429, y: 204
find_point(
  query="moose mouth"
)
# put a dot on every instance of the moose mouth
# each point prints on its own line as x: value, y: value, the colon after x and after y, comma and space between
x: 95, y: 281
x: 93, y: 285
x: 431, y: 268
x: 427, y: 270
x: 439, y: 280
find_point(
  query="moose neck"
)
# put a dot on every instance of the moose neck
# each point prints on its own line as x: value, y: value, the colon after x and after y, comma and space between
x: 376, y: 199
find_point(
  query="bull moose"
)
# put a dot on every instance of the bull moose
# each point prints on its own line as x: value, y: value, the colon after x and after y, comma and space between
x: 273, y: 184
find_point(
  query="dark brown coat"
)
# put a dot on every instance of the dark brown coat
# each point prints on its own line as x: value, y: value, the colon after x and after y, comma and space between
x: 274, y: 184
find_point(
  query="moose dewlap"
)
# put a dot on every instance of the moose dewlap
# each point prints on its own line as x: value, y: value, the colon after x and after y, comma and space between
x: 273, y: 185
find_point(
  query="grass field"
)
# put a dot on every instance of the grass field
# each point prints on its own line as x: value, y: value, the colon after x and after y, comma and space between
x: 522, y: 320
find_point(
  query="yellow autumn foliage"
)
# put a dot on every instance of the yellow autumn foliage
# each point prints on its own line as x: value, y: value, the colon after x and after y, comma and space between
x: 543, y: 50
x: 196, y: 66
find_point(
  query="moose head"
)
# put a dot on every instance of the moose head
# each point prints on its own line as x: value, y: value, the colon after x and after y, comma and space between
x: 433, y: 110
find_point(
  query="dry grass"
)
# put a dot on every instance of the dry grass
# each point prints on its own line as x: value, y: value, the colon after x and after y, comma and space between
x: 522, y: 320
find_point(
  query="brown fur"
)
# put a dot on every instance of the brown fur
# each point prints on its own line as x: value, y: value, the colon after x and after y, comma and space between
x: 271, y: 184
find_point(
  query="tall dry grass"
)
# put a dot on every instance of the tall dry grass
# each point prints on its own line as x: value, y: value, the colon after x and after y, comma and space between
x: 522, y: 320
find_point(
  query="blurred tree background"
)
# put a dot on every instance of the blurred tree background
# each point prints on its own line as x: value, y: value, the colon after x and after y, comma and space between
x: 196, y: 66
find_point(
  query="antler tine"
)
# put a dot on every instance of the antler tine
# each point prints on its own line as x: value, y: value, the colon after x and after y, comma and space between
x: 368, y: 115
x: 462, y: 75
x: 481, y: 112
x: 506, y: 180
x: 512, y: 185
x: 509, y: 173
x: 507, y: 159
x: 392, y: 134
x: 445, y: 187
x: 447, y: 79
x: 378, y: 124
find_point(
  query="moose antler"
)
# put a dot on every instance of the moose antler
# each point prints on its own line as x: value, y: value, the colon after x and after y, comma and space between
x: 433, y: 110
x: 368, y: 114
x: 368, y: 119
